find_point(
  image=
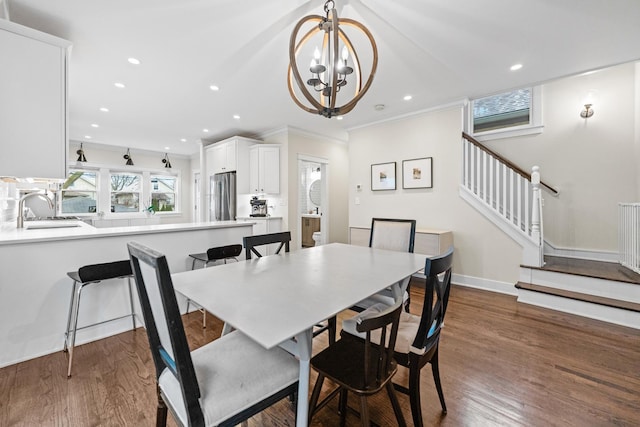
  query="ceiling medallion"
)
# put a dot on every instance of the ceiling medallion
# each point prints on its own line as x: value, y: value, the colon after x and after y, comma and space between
x: 335, y: 67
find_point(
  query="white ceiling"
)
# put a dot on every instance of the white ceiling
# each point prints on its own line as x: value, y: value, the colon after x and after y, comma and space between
x: 438, y: 51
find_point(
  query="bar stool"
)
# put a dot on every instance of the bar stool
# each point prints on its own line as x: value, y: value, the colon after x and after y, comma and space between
x: 87, y: 275
x: 219, y: 253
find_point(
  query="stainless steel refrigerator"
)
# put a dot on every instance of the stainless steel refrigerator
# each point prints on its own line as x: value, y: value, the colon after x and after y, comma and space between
x: 222, y: 203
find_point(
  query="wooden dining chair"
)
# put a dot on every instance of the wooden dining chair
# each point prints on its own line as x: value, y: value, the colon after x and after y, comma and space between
x: 219, y: 384
x: 418, y: 336
x: 359, y: 366
x: 251, y: 245
x: 394, y: 235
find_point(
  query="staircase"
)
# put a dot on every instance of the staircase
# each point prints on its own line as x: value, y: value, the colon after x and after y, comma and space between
x: 511, y: 199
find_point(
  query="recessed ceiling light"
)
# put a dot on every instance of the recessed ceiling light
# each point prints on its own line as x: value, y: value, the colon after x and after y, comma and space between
x: 214, y: 88
x: 104, y: 109
x: 119, y: 85
x: 407, y: 97
x: 339, y: 118
x: 134, y: 61
x: 183, y: 140
x: 516, y: 67
x: 237, y: 117
x: 167, y: 148
x: 94, y: 125
x: 205, y: 130
x: 87, y: 136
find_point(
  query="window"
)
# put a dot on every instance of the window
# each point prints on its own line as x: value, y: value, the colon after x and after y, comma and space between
x: 518, y: 112
x: 79, y: 192
x: 125, y: 192
x: 163, y: 193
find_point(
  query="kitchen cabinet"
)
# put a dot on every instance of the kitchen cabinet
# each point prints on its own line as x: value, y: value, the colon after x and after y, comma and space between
x: 309, y: 226
x: 33, y: 103
x: 264, y: 167
x: 427, y: 242
x: 231, y: 155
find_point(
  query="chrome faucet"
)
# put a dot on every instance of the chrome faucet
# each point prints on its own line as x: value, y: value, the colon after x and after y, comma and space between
x: 21, y: 206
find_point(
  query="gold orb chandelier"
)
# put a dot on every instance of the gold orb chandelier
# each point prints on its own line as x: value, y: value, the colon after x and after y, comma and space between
x: 334, y: 68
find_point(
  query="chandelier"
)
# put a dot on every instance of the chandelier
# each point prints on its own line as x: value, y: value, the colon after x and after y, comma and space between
x: 335, y: 67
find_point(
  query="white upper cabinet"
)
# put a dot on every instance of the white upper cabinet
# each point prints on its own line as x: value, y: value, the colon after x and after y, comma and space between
x: 33, y: 103
x: 264, y: 164
x: 231, y: 155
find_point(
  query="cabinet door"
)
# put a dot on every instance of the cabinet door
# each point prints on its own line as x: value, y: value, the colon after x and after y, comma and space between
x: 270, y: 170
x: 254, y: 171
x: 33, y: 103
x: 231, y: 152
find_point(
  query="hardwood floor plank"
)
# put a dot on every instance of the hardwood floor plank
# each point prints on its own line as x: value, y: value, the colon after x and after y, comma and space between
x: 501, y: 364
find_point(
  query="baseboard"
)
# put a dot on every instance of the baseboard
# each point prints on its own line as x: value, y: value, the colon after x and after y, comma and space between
x: 590, y: 254
x: 484, y: 284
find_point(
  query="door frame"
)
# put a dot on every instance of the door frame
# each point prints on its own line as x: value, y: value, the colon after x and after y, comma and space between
x: 324, y: 197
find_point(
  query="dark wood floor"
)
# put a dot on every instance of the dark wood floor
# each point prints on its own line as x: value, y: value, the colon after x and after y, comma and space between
x: 502, y: 364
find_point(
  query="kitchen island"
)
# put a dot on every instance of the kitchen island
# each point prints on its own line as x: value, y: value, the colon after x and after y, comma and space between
x: 35, y: 289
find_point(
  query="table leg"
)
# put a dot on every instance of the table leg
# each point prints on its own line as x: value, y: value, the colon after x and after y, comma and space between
x: 304, y: 354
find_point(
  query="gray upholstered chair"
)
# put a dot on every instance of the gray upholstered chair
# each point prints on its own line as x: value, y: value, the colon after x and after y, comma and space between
x: 219, y: 384
x: 394, y: 235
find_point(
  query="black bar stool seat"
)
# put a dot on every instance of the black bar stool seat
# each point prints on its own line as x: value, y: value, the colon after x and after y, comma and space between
x: 88, y: 275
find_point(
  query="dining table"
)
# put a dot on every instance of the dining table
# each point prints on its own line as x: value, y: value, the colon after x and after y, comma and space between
x: 276, y: 300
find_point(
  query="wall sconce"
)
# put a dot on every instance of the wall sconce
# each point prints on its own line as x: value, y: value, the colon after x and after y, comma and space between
x: 588, y: 102
x: 167, y: 163
x: 80, y: 153
x: 128, y: 158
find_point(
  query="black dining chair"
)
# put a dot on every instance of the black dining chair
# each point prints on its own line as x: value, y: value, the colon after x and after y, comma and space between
x: 418, y: 336
x: 394, y: 235
x: 259, y: 241
x: 283, y: 239
x: 218, y: 253
x: 360, y: 367
x: 219, y: 384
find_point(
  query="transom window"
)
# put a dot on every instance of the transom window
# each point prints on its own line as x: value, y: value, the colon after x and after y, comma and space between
x: 502, y: 111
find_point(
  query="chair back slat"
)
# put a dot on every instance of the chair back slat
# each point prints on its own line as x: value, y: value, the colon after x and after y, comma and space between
x: 393, y: 234
x: 251, y: 243
x: 438, y: 285
x: 163, y: 323
x: 104, y: 271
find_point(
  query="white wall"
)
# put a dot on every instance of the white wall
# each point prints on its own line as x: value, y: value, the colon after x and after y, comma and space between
x: 482, y: 250
x: 592, y: 162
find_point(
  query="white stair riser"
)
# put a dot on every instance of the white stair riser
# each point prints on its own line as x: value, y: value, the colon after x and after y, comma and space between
x: 581, y: 308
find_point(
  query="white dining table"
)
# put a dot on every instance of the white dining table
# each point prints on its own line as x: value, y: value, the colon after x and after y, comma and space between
x: 277, y: 300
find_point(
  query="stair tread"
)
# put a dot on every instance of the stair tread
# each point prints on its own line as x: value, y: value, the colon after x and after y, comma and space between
x: 610, y: 302
x: 589, y: 268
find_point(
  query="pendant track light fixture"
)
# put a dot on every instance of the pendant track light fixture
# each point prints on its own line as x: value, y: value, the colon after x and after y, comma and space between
x: 167, y: 163
x: 335, y: 66
x: 80, y: 153
x: 128, y: 158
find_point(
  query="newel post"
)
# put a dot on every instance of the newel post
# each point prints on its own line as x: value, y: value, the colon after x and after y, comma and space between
x: 536, y: 212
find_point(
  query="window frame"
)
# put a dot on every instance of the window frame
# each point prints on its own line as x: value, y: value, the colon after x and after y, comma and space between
x: 140, y: 192
x: 176, y: 192
x: 96, y: 191
x: 535, y: 125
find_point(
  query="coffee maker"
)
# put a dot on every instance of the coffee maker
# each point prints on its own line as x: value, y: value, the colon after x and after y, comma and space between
x: 258, y: 207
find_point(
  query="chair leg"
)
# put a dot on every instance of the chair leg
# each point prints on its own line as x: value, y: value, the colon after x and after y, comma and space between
x: 204, y: 319
x: 332, y: 329
x: 395, y: 404
x: 342, y: 407
x: 364, y: 412
x: 314, y: 396
x: 161, y: 413
x: 414, y: 391
x: 66, y: 333
x: 133, y: 314
x: 435, y: 369
x: 76, y: 310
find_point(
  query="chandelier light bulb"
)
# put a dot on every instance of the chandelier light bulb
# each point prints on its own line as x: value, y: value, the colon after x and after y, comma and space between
x: 345, y: 54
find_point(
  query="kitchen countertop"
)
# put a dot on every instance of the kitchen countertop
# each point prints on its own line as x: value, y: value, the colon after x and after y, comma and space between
x: 10, y: 235
x: 254, y: 218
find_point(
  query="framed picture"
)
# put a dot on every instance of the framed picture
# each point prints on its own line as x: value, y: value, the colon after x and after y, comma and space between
x: 417, y: 173
x: 383, y: 176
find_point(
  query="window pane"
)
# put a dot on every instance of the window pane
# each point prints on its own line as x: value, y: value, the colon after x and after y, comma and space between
x: 163, y: 196
x: 79, y: 192
x: 163, y: 183
x: 502, y: 111
x: 163, y: 202
x: 125, y: 202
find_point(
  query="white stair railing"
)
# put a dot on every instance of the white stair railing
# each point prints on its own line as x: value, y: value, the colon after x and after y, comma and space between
x: 629, y: 235
x: 510, y: 194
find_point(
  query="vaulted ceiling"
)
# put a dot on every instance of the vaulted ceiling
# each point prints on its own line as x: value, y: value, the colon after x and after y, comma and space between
x: 437, y: 51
